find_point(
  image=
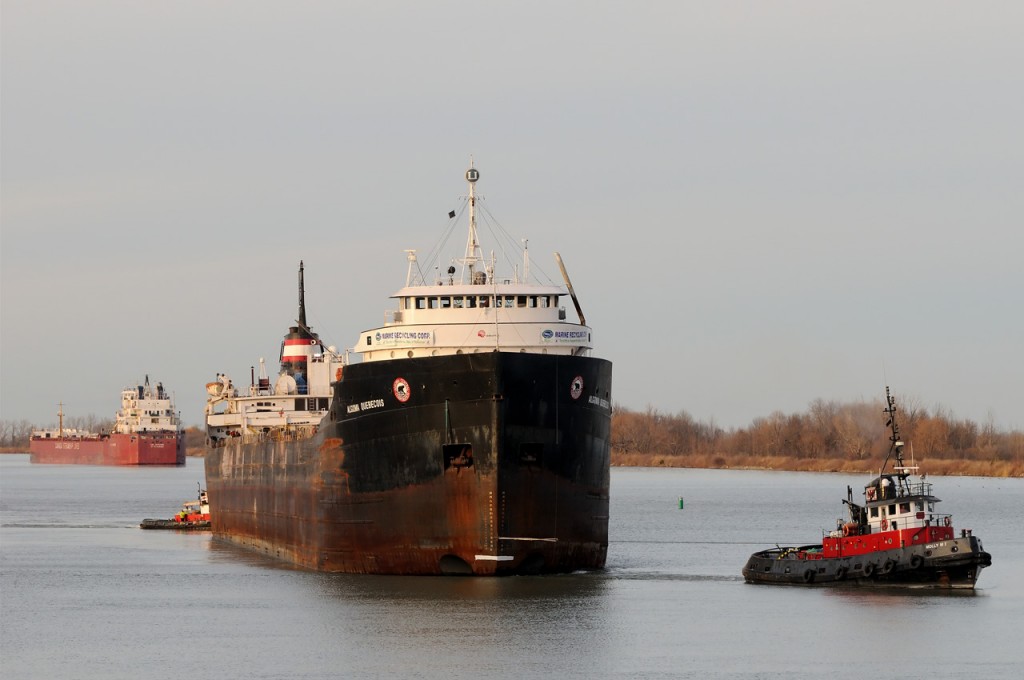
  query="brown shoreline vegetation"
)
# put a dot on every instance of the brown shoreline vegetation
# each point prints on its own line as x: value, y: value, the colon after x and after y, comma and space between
x: 829, y: 437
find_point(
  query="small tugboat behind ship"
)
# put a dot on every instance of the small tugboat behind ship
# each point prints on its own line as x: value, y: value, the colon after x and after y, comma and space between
x: 147, y: 431
x: 896, y: 538
x: 194, y: 515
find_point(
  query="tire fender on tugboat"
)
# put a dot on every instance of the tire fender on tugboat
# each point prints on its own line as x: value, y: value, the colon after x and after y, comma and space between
x: 916, y: 562
x: 809, y: 576
x: 869, y: 570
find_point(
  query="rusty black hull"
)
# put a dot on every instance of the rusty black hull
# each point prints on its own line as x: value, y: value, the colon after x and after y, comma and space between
x: 485, y: 464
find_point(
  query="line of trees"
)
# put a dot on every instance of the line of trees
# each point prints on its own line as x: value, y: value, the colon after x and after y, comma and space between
x: 828, y: 436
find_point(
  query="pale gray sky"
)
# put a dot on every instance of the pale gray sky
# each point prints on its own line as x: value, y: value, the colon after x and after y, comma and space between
x: 760, y: 203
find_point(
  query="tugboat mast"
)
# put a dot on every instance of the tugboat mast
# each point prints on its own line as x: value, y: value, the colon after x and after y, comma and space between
x: 895, y: 442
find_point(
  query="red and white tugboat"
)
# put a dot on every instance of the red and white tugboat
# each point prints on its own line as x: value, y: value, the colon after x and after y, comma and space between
x: 896, y: 538
x: 193, y: 515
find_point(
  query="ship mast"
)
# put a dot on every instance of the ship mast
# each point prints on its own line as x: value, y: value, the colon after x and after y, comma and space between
x: 473, y: 252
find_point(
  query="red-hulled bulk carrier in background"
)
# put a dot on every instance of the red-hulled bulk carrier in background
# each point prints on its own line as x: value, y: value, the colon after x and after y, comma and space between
x: 147, y: 432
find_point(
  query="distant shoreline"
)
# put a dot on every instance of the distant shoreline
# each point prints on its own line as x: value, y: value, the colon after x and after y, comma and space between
x: 938, y: 466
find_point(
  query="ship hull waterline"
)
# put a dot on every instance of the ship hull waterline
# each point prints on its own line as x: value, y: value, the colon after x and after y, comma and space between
x: 494, y: 463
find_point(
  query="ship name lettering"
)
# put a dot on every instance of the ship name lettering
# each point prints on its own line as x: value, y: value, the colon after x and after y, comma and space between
x: 366, y: 405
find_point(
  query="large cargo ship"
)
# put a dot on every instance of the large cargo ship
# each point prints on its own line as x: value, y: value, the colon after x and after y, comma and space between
x: 147, y: 431
x: 468, y: 435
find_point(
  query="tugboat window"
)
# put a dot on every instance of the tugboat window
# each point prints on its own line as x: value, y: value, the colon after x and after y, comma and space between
x: 874, y: 512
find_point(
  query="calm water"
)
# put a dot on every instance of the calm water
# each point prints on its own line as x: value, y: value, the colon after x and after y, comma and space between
x: 86, y: 594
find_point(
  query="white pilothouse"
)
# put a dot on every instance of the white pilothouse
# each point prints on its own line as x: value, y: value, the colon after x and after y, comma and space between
x: 478, y: 311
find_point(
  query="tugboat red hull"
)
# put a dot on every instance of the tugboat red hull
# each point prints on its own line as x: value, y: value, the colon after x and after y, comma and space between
x: 953, y: 563
x: 156, y: 448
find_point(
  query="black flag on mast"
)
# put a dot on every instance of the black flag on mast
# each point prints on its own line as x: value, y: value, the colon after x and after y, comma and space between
x: 451, y: 214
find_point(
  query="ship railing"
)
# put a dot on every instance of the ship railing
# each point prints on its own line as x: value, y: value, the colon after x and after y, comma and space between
x: 921, y: 489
